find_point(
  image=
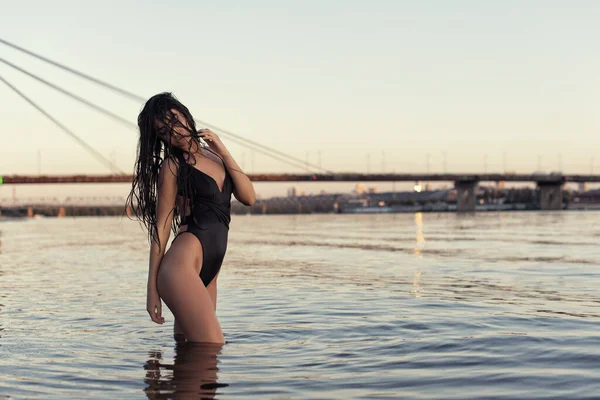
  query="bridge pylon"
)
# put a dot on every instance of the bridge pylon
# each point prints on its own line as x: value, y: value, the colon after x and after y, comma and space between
x: 466, y: 196
x: 550, y: 194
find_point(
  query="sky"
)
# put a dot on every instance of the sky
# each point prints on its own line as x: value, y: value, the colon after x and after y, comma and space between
x: 378, y: 86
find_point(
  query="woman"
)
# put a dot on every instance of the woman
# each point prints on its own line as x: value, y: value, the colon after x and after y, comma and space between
x: 181, y: 184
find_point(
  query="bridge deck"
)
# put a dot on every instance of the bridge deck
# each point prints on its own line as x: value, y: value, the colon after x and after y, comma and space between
x: 339, y: 177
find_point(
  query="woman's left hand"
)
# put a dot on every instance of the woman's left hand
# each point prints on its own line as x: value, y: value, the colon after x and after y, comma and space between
x: 213, y: 141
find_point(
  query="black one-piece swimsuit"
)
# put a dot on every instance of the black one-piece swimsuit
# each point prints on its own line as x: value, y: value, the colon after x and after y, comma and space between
x: 210, y: 214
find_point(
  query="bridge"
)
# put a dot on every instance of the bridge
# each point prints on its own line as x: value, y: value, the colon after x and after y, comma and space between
x: 550, y: 185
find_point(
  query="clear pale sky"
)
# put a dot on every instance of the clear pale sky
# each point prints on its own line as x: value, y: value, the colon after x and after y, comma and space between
x: 353, y: 79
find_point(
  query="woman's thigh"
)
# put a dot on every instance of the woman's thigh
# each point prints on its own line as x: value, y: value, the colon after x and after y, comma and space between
x: 180, y: 287
x: 212, y: 290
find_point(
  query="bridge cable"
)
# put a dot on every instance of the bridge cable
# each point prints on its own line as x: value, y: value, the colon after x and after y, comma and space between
x: 81, y: 142
x: 71, y: 94
x: 136, y: 97
x: 116, y: 117
x: 73, y: 71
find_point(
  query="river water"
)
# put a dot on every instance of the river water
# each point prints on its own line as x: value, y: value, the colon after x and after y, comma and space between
x: 412, y: 306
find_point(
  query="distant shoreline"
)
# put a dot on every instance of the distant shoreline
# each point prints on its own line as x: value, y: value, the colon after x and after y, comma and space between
x: 38, y: 212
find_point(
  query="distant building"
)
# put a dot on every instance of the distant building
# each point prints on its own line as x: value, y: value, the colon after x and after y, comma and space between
x: 358, y: 202
x: 452, y: 195
x: 293, y: 192
x: 359, y: 188
x: 592, y: 196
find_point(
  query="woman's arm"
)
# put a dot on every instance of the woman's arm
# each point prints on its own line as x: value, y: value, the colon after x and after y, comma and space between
x: 165, y: 203
x: 243, y: 189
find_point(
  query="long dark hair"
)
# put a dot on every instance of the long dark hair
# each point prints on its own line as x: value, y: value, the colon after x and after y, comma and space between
x: 154, y: 147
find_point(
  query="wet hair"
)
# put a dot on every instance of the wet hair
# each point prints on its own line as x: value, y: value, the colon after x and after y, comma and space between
x: 154, y: 147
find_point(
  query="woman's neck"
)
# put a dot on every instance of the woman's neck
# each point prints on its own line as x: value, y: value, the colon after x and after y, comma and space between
x: 196, y: 150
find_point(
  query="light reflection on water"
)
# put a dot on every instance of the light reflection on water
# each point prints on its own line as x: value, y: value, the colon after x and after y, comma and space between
x: 493, y: 305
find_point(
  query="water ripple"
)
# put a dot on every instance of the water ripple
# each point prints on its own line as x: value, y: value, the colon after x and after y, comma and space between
x: 423, y: 306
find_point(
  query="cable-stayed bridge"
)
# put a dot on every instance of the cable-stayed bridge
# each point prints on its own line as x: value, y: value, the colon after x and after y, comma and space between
x: 550, y: 185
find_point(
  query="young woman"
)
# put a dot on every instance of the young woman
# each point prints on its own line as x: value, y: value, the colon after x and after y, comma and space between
x: 183, y: 182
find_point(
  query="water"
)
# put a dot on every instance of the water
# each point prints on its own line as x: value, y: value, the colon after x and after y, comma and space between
x: 423, y: 306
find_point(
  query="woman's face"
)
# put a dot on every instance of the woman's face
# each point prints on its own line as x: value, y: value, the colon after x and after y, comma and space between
x: 176, y: 131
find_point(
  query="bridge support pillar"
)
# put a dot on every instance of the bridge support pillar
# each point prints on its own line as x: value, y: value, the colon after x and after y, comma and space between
x: 465, y: 195
x: 550, y: 195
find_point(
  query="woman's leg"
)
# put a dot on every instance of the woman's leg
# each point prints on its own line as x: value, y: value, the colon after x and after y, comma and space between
x: 178, y: 332
x: 182, y: 290
x: 212, y: 292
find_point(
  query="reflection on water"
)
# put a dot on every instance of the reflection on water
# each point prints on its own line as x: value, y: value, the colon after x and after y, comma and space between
x: 416, y: 306
x: 193, y: 373
x: 420, y: 243
x: 420, y: 238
